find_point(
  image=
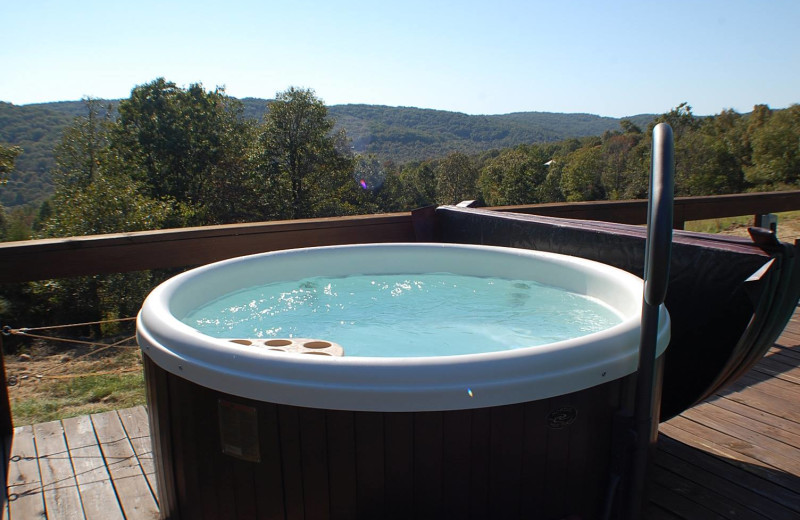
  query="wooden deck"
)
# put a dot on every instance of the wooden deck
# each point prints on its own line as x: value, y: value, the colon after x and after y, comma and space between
x: 92, y: 467
x: 735, y: 456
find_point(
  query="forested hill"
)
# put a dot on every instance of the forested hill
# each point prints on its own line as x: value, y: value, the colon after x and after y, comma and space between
x: 405, y: 134
x: 401, y: 134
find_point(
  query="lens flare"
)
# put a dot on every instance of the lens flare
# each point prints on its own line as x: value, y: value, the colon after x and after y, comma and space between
x: 469, y: 392
x: 363, y: 183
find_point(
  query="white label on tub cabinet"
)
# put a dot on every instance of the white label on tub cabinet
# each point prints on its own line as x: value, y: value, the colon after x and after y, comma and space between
x: 238, y: 431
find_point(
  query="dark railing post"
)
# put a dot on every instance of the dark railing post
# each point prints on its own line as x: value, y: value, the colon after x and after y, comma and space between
x: 656, y: 277
x: 6, y: 424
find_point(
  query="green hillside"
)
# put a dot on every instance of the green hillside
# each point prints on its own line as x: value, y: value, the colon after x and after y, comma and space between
x: 404, y: 134
x: 400, y: 134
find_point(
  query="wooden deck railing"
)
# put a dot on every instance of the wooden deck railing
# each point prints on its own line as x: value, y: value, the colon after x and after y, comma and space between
x: 123, y: 252
x: 686, y: 208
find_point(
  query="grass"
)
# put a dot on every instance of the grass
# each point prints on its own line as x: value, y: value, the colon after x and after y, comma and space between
x: 719, y: 225
x: 53, y: 383
x: 80, y: 395
x: 788, y: 225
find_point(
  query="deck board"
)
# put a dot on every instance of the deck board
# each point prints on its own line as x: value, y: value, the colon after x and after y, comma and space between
x: 735, y: 456
x: 133, y: 492
x: 137, y: 428
x: 59, y: 487
x: 742, y: 444
x: 98, y: 497
x: 25, y: 498
x: 718, y: 486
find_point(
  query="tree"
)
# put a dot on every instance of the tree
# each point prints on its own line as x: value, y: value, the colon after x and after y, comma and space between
x: 713, y: 156
x: 83, y: 147
x: 95, y: 194
x: 581, y: 177
x: 18, y: 224
x: 776, y: 150
x: 7, y: 157
x: 414, y: 186
x: 629, y: 127
x: 190, y: 147
x: 456, y: 179
x: 514, y: 176
x: 111, y: 203
x: 679, y: 118
x: 371, y: 179
x: 305, y: 166
x: 616, y: 150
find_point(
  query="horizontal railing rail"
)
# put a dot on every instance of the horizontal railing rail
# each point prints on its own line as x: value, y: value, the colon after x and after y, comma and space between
x: 141, y: 250
x: 686, y: 209
x: 123, y: 252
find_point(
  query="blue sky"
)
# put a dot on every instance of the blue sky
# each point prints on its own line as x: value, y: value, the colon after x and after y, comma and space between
x: 490, y: 57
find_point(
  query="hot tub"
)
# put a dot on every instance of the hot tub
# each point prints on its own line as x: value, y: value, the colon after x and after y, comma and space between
x: 242, y: 431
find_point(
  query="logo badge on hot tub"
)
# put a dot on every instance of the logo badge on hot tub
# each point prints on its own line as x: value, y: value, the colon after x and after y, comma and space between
x: 562, y: 417
x: 238, y: 430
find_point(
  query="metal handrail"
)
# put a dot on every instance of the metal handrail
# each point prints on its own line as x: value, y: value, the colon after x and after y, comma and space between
x: 656, y: 278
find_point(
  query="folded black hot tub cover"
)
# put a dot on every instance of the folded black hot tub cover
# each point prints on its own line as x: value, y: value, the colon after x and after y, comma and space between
x: 729, y: 298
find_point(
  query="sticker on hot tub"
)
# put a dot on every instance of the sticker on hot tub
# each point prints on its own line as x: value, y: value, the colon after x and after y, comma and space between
x: 238, y: 431
x: 562, y: 417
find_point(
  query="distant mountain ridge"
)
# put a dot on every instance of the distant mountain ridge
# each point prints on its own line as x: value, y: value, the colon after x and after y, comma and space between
x: 407, y: 134
x: 400, y: 134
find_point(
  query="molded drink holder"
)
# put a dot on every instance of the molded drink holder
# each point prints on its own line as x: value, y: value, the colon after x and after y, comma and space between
x: 297, y: 345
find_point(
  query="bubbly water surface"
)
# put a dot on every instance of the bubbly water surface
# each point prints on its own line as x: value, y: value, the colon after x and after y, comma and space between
x: 406, y: 315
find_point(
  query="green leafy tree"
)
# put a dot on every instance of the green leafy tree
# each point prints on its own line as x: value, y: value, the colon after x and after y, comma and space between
x: 776, y: 150
x: 413, y: 186
x: 629, y: 127
x: 550, y: 190
x: 19, y: 221
x: 758, y: 118
x: 307, y: 168
x: 373, y: 182
x: 190, y: 147
x: 423, y: 184
x: 616, y: 151
x: 83, y: 148
x: 683, y: 124
x: 7, y: 157
x: 8, y: 295
x: 515, y: 177
x: 370, y: 172
x: 713, y: 156
x: 730, y: 130
x: 95, y: 191
x: 95, y: 194
x: 456, y: 179
x: 680, y: 118
x: 581, y: 177
x: 111, y: 203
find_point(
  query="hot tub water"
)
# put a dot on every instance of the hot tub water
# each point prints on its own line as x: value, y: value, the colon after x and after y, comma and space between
x: 418, y: 315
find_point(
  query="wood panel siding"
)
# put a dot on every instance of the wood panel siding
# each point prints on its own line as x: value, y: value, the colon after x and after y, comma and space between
x: 423, y: 465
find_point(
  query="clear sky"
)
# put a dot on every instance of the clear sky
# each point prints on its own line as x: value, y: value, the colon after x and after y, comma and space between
x: 491, y: 57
